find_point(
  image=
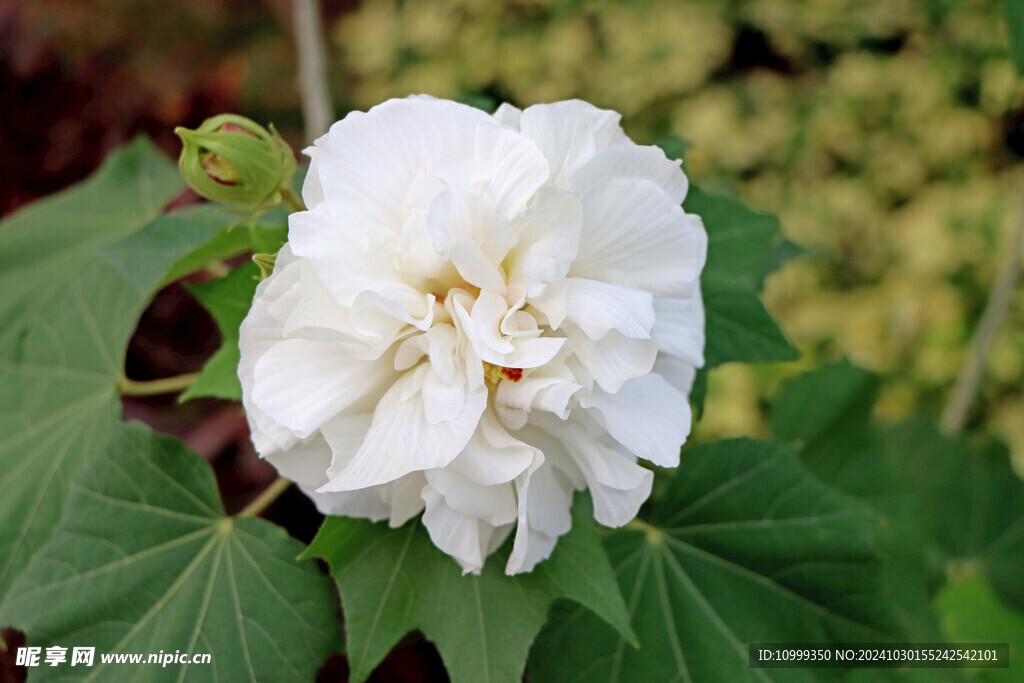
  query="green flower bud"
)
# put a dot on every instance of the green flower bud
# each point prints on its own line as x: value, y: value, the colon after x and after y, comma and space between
x: 232, y: 159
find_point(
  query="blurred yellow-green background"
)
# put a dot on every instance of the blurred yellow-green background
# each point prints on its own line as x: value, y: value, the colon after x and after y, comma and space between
x: 886, y: 136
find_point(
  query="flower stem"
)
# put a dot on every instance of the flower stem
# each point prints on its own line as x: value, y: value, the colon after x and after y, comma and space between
x: 969, y: 380
x: 166, y: 385
x: 654, y: 534
x: 268, y: 496
x: 292, y: 200
x: 312, y: 53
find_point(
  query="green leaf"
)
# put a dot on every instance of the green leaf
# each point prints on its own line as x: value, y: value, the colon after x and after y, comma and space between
x: 743, y: 247
x: 146, y: 560
x: 738, y: 328
x: 1015, y: 26
x: 673, y: 147
x: 980, y: 519
x: 228, y: 300
x: 741, y: 242
x: 68, y: 314
x: 932, y: 488
x: 478, y: 101
x: 79, y: 268
x: 826, y: 413
x: 187, y: 239
x: 744, y: 547
x: 971, y: 612
x: 50, y: 243
x: 394, y: 581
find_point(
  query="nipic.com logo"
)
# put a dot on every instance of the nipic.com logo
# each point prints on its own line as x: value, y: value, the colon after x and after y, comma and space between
x: 57, y: 655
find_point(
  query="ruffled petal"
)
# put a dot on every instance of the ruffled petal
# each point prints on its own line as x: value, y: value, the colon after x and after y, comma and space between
x: 570, y: 133
x: 635, y: 236
x: 259, y: 332
x: 598, y: 307
x: 549, y: 235
x: 679, y: 326
x: 545, y: 500
x: 617, y: 485
x: 303, y: 383
x: 632, y: 161
x: 467, y: 539
x: 493, y: 456
x: 647, y: 415
x: 515, y: 168
x: 368, y: 160
x: 402, y: 440
x: 613, y: 359
x: 494, y: 504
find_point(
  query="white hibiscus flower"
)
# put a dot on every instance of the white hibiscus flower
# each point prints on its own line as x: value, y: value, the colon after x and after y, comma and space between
x: 475, y: 317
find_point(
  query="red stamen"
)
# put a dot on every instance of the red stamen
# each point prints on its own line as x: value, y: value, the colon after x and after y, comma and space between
x: 514, y: 374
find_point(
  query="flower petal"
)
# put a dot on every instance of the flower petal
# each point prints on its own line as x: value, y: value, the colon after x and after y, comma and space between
x: 474, y: 266
x: 369, y: 160
x: 515, y: 166
x: 442, y: 401
x: 468, y: 540
x: 632, y: 161
x: 508, y: 115
x: 302, y: 382
x: 569, y: 133
x: 618, y: 486
x: 548, y: 388
x: 549, y: 235
x: 493, y: 456
x: 635, y: 236
x: 612, y: 359
x: 679, y: 326
x: 545, y: 500
x: 495, y: 504
x: 401, y: 439
x: 647, y: 415
x: 259, y: 332
x: 598, y: 307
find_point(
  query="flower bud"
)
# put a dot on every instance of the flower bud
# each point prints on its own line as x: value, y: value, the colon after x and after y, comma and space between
x: 232, y: 159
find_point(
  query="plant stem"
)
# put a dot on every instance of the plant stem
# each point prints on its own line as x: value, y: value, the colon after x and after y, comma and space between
x: 654, y: 534
x: 217, y: 269
x: 166, y: 385
x: 969, y: 380
x: 292, y: 200
x: 309, y: 42
x: 268, y: 496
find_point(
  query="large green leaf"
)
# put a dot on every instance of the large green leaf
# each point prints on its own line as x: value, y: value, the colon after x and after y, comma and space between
x: 228, y: 300
x: 394, y: 581
x: 145, y: 560
x: 827, y: 413
x: 979, y: 517
x: 744, y: 546
x: 67, y: 318
x: 743, y: 247
x: 173, y: 238
x: 932, y: 488
x: 971, y: 612
x: 740, y: 254
x: 72, y: 297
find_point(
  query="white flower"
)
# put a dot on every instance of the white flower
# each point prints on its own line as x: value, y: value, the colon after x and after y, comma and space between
x: 476, y: 316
